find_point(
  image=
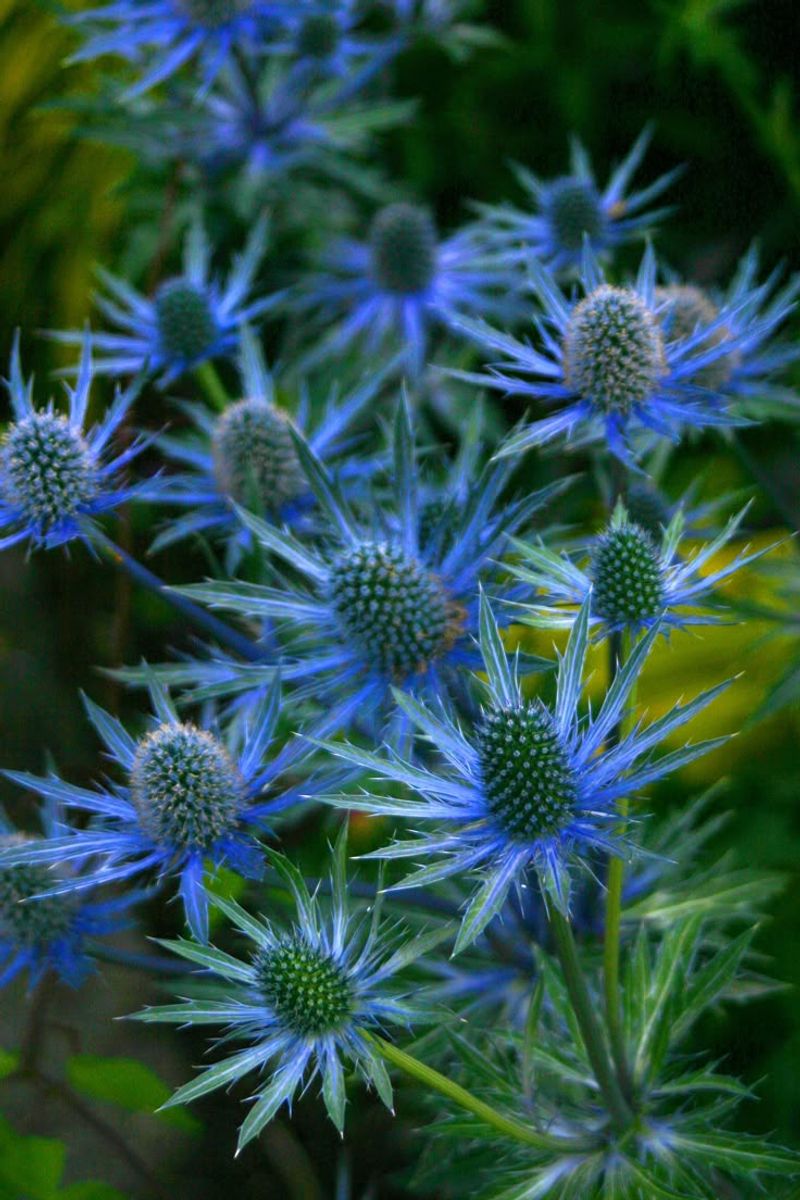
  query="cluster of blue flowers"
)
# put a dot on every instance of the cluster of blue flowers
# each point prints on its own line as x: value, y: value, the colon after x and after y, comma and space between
x: 379, y: 580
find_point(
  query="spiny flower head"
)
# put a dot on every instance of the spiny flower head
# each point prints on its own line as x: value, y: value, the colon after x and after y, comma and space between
x: 191, y: 318
x: 567, y: 211
x: 165, y: 35
x: 39, y: 931
x: 607, y: 361
x: 55, y: 472
x: 400, y: 282
x: 192, y: 795
x: 246, y: 456
x: 375, y: 605
x: 304, y: 999
x: 524, y: 787
x: 632, y: 578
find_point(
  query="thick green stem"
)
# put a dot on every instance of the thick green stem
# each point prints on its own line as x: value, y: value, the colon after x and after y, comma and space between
x: 590, y: 1027
x: 206, y: 375
x: 620, y: 650
x: 509, y: 1126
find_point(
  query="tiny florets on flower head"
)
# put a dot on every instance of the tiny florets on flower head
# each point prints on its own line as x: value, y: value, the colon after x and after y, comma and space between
x: 306, y: 988
x: 613, y: 350
x: 403, y: 242
x: 255, y: 462
x: 647, y: 508
x: 392, y: 606
x: 186, y: 325
x: 317, y: 36
x: 185, y: 786
x: 627, y: 576
x: 573, y: 208
x: 526, y: 773
x: 213, y: 13
x: 684, y: 309
x: 47, y: 470
x: 40, y: 922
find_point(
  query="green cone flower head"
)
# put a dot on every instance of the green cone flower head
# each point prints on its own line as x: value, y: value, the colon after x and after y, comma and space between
x: 255, y: 461
x: 403, y: 242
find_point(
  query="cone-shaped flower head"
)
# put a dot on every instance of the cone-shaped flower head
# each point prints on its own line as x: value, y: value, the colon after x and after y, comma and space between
x: 55, y: 472
x: 192, y: 795
x: 305, y: 999
x: 526, y: 786
x: 403, y: 243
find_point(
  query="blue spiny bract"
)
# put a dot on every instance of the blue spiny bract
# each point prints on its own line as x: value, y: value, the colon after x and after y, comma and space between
x: 185, y: 786
x: 613, y: 350
x: 628, y: 577
x: 403, y: 241
x: 304, y: 986
x: 526, y: 772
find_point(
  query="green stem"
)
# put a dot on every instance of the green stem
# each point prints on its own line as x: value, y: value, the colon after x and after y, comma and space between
x: 206, y: 375
x: 508, y: 1126
x: 590, y: 1027
x: 620, y: 650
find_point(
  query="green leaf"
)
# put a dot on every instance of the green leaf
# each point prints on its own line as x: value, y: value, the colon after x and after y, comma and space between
x: 127, y: 1083
x: 739, y: 1154
x: 91, y: 1189
x: 30, y: 1167
x: 8, y: 1063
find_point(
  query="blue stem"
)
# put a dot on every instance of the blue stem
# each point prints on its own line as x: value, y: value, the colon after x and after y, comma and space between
x: 218, y: 629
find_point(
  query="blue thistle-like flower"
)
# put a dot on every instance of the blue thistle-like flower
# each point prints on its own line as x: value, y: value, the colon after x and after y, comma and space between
x: 245, y: 455
x: 44, y: 934
x: 632, y: 579
x: 305, y: 999
x: 193, y: 795
x: 573, y: 208
x: 529, y: 786
x: 190, y: 319
x: 167, y: 34
x: 608, y: 362
x: 741, y: 320
x: 403, y: 280
x: 372, y: 606
x: 56, y: 474
x: 323, y: 40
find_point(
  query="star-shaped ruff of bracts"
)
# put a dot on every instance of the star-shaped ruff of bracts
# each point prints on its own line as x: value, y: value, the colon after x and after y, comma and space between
x: 394, y: 287
x: 56, y: 473
x: 323, y: 40
x: 606, y: 362
x: 245, y: 455
x: 572, y: 208
x: 631, y: 579
x: 528, y: 786
x: 164, y: 35
x: 743, y: 318
x: 304, y: 999
x: 191, y: 318
x: 192, y: 795
x: 369, y: 605
x: 49, y: 934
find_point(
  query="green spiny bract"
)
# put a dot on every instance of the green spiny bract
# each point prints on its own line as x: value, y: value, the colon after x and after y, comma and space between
x: 49, y: 472
x: 305, y: 987
x: 255, y: 461
x: 572, y: 206
x: 392, y: 607
x: 686, y: 309
x: 403, y: 243
x: 185, y: 787
x: 187, y: 329
x: 613, y: 350
x: 28, y: 921
x: 527, y: 778
x: 627, y: 576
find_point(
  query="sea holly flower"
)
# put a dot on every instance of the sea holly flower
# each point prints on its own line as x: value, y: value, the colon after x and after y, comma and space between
x: 368, y: 605
x: 56, y: 472
x: 323, y: 41
x: 49, y: 934
x: 192, y: 317
x: 741, y: 320
x: 245, y: 454
x: 607, y: 361
x: 573, y: 208
x: 168, y: 34
x: 305, y: 998
x: 193, y: 796
x: 528, y: 786
x: 631, y: 579
x: 401, y: 281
